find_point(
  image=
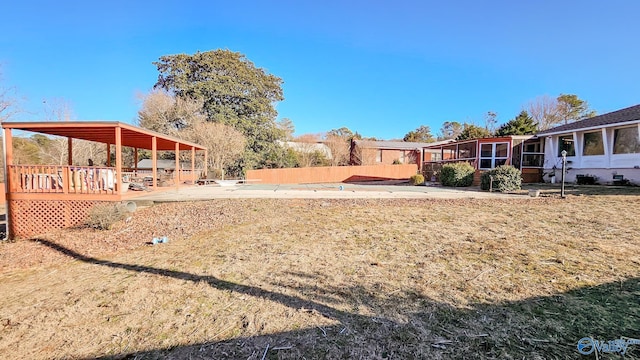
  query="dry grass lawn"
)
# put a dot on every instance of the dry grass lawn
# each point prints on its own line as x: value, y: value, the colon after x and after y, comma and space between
x: 364, y: 279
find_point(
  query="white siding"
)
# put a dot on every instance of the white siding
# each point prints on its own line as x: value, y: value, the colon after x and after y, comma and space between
x: 602, y: 166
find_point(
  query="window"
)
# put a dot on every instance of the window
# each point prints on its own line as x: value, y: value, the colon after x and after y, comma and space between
x: 532, y: 160
x: 379, y: 156
x: 532, y: 147
x: 593, y: 144
x: 516, y: 153
x: 492, y: 155
x: 625, y: 141
x: 565, y: 142
x: 502, y: 150
x: 436, y: 156
x: 532, y: 155
x: 467, y: 151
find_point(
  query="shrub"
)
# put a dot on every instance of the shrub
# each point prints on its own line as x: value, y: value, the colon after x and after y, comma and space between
x: 505, y: 178
x: 417, y: 179
x: 103, y: 216
x: 457, y: 174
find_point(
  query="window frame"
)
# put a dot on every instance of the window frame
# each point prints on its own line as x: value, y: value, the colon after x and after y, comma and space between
x: 493, y: 156
x: 584, y: 143
x: 571, y: 151
x: 637, y: 146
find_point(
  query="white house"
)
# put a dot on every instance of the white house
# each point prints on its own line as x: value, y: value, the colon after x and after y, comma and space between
x: 601, y: 146
x: 307, y: 147
x: 162, y: 165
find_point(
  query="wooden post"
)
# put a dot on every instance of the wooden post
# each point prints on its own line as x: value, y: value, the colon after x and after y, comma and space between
x: 193, y: 165
x: 177, y: 171
x: 108, y: 163
x: 118, y: 177
x: 135, y: 161
x: 65, y: 179
x: 206, y: 164
x: 154, y: 161
x: 8, y: 161
x: 69, y: 151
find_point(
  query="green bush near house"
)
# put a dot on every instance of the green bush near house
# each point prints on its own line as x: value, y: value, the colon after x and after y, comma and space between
x: 417, y: 179
x: 457, y: 174
x: 505, y: 178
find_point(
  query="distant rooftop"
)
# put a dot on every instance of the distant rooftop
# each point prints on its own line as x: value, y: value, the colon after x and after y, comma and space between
x: 398, y: 145
x: 162, y: 164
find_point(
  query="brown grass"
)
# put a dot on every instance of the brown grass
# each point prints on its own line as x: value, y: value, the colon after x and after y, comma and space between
x: 338, y: 279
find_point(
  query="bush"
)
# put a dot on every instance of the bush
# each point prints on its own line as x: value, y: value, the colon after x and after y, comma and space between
x: 505, y: 178
x: 417, y: 179
x: 103, y: 216
x: 457, y: 174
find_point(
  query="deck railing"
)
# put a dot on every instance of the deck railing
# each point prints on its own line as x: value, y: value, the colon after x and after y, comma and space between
x: 63, y: 179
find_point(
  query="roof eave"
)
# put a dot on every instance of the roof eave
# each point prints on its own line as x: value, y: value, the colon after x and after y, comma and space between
x: 568, y: 131
x: 32, y: 126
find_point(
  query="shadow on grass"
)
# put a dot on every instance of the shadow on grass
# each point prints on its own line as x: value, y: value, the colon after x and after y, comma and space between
x: 408, y: 325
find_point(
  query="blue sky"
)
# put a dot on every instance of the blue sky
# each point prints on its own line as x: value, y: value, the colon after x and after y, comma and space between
x: 381, y: 68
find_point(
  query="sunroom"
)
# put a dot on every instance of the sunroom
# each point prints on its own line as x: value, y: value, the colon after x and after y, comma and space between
x: 600, y: 149
x: 522, y: 151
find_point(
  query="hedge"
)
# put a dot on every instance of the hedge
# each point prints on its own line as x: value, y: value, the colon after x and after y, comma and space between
x: 505, y: 178
x: 457, y: 174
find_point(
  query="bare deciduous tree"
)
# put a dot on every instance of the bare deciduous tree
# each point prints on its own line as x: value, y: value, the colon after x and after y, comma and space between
x: 8, y: 101
x: 224, y: 143
x: 58, y: 109
x: 544, y: 111
x: 364, y: 155
x: 8, y: 108
x: 167, y: 114
x: 184, y: 118
x: 490, y: 121
x: 308, y: 151
x: 54, y: 152
x: 339, y: 147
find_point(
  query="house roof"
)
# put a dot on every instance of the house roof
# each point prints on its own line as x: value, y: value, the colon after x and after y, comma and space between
x: 161, y: 164
x: 307, y: 147
x: 453, y: 143
x: 104, y: 132
x: 629, y: 114
x: 397, y: 145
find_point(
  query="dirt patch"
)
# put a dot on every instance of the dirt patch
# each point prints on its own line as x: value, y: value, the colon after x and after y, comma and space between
x: 173, y: 220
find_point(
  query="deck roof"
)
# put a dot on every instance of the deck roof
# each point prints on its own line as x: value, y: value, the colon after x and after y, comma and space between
x: 104, y: 132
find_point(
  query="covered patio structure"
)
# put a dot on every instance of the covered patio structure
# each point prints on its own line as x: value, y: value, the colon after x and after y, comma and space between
x: 45, y: 197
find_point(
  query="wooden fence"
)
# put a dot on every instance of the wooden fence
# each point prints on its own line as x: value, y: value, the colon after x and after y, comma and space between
x: 332, y: 174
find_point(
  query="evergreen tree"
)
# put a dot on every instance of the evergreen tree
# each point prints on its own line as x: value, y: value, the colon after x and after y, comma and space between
x: 522, y: 124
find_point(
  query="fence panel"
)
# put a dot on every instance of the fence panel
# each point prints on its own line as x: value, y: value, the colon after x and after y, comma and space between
x: 332, y: 174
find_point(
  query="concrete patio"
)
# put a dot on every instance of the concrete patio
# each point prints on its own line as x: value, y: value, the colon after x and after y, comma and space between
x: 372, y: 190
